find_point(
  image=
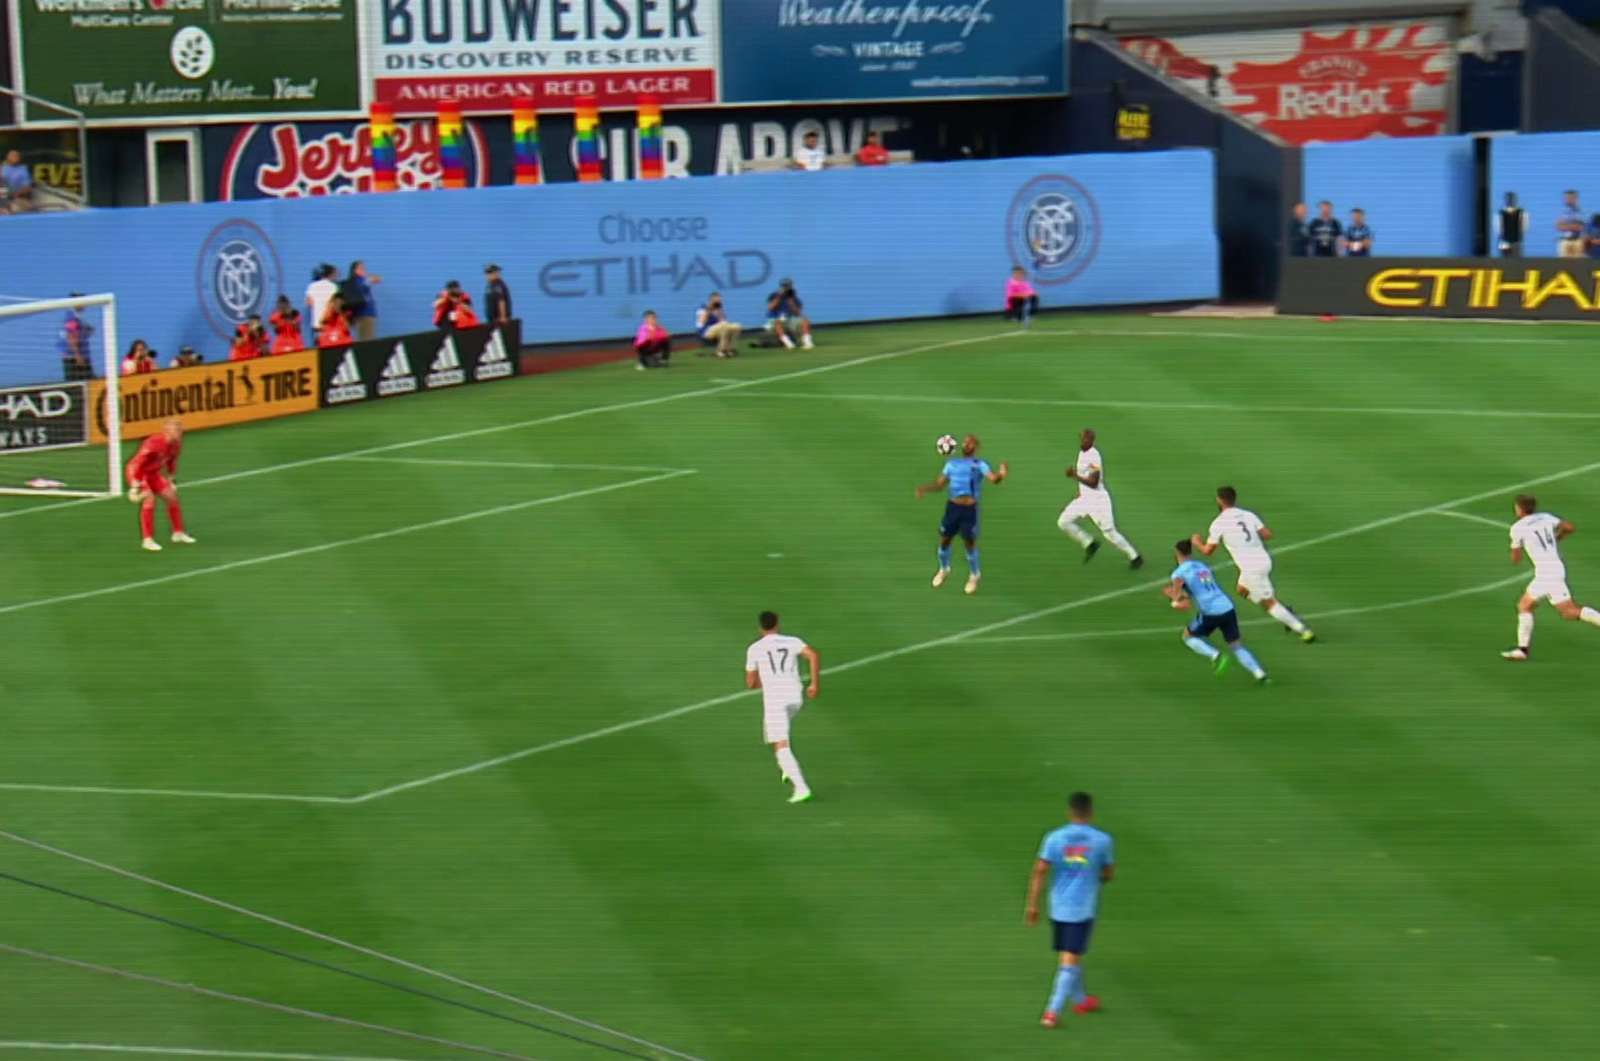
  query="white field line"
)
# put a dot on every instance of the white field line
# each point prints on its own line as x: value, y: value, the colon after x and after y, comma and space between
x: 1369, y: 609
x: 1475, y: 518
x: 180, y: 793
x: 540, y: 421
x: 1191, y: 407
x: 529, y: 465
x: 175, y: 1051
x: 921, y: 646
x: 342, y: 543
x: 1299, y: 337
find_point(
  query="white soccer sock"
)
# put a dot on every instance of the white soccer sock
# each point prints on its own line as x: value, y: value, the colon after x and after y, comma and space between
x: 1200, y: 648
x: 1288, y: 618
x: 1115, y: 537
x: 1524, y: 629
x: 1076, y: 532
x: 791, y: 769
x: 1590, y: 616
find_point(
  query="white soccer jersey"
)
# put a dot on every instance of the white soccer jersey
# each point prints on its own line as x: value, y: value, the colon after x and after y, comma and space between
x: 1536, y: 536
x: 1239, y: 531
x: 1089, y: 462
x: 776, y: 658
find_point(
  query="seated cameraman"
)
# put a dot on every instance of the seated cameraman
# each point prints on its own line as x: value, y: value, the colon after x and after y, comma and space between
x: 711, y: 321
x: 786, y: 312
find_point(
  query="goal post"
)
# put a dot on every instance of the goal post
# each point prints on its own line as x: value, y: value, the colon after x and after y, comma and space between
x: 52, y: 405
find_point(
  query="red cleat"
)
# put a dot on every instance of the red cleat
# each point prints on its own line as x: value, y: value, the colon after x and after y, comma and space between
x: 1089, y: 1005
x: 1048, y: 1021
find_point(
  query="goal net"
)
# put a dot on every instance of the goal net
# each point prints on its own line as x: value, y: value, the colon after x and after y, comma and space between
x: 60, y: 428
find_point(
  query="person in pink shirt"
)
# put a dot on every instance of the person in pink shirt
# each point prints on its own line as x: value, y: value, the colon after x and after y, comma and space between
x: 653, y: 343
x: 1022, y: 301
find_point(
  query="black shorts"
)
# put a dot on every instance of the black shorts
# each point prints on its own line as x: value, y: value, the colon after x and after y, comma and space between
x: 1205, y: 625
x: 1072, y: 937
x: 960, y: 521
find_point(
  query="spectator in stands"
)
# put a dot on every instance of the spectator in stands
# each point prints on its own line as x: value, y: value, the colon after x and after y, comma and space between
x: 139, y: 359
x: 334, y: 327
x: 16, y: 184
x: 72, y: 341
x: 359, y: 303
x: 186, y: 358
x: 452, y: 310
x: 1325, y: 232
x: 1358, y: 237
x: 711, y: 321
x: 873, y: 153
x: 1022, y: 301
x: 785, y: 312
x: 652, y: 343
x: 1299, y: 232
x: 287, y: 337
x: 323, y: 286
x: 249, y: 340
x: 496, y: 297
x: 1511, y: 225
x: 1591, y: 236
x: 1570, y: 223
x: 809, y: 156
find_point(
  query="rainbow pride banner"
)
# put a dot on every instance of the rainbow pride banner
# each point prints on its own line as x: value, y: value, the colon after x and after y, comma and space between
x: 452, y: 144
x: 525, y: 141
x: 651, y: 164
x: 385, y: 155
x: 588, y: 137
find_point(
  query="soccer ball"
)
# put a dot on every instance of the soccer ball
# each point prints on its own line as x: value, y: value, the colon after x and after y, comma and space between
x: 946, y: 445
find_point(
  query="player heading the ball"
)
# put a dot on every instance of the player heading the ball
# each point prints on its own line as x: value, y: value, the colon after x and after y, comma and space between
x: 964, y: 475
x: 150, y: 473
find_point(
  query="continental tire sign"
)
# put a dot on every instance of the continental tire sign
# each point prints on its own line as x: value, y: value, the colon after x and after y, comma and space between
x: 230, y: 392
x: 1543, y: 289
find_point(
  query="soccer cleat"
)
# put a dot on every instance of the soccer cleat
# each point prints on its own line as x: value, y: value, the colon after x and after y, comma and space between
x: 640, y: 366
x: 1307, y: 637
x: 788, y: 343
x: 801, y: 797
x: 1136, y: 563
x: 972, y: 584
x: 939, y: 577
x: 1089, y: 551
x: 1262, y: 679
x: 1221, y: 664
x: 1049, y: 1020
x: 806, y: 342
x: 180, y: 538
x: 150, y: 545
x: 1089, y: 1005
x: 1518, y: 655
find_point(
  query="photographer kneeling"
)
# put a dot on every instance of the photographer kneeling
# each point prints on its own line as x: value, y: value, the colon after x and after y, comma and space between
x: 785, y: 313
x: 712, y: 322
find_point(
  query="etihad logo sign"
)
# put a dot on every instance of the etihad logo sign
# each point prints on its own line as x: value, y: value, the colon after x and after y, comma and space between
x: 1526, y: 290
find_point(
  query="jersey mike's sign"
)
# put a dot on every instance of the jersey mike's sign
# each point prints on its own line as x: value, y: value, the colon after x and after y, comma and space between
x: 1345, y: 82
x: 485, y: 55
x: 1552, y: 289
x: 291, y: 160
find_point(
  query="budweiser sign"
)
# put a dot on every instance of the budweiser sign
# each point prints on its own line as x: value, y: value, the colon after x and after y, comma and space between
x: 295, y: 159
x: 1331, y: 83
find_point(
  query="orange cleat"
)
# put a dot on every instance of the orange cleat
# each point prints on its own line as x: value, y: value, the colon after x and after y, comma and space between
x: 1048, y: 1021
x: 1089, y: 1005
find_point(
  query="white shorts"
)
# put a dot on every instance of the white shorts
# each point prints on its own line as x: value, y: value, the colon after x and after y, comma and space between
x: 775, y: 720
x: 1096, y: 507
x: 1552, y: 588
x: 1256, y: 583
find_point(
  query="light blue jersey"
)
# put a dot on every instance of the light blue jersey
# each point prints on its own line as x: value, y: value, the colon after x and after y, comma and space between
x: 966, y: 475
x: 1077, y: 854
x: 1202, y: 588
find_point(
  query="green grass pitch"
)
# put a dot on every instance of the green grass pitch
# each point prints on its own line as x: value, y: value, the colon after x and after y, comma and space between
x: 457, y: 631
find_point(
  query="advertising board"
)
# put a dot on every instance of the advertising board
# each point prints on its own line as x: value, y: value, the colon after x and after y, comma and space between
x: 47, y: 416
x: 423, y: 361
x: 230, y: 392
x: 1525, y: 289
x: 131, y: 61
x: 288, y: 160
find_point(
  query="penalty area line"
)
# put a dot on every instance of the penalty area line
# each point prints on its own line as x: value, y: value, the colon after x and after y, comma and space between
x: 175, y: 1051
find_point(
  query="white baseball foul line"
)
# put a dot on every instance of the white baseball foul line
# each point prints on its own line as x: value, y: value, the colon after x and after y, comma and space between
x: 539, y: 421
x: 717, y: 701
x: 174, y: 1051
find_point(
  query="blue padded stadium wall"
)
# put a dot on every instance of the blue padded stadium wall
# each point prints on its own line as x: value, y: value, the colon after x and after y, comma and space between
x: 1419, y: 193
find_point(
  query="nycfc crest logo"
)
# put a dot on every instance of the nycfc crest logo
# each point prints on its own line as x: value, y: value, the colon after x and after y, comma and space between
x: 1053, y: 229
x: 239, y: 274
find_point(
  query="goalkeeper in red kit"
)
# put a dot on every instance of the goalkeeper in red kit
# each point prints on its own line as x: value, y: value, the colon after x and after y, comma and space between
x: 149, y: 475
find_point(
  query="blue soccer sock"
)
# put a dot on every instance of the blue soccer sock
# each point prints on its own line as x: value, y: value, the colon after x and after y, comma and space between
x: 1243, y: 655
x: 1065, y: 978
x: 944, y: 557
x: 1079, y: 990
x: 1201, y: 648
x: 972, y: 560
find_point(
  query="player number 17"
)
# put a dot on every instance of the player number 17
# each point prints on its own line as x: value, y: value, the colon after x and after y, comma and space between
x: 780, y: 664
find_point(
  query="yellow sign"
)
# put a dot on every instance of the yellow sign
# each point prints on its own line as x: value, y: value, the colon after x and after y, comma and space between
x: 230, y: 392
x: 1133, y: 122
x: 1484, y: 288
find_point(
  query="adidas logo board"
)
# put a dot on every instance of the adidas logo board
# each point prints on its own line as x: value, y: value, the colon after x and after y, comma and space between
x: 347, y: 384
x: 397, y: 377
x: 493, y: 363
x: 446, y: 368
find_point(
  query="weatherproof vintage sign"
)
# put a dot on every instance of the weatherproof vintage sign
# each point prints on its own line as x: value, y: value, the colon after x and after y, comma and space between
x: 125, y: 60
x: 485, y: 55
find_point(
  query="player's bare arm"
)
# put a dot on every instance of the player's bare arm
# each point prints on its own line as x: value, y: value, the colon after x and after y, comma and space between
x: 752, y: 679
x: 1176, y: 593
x: 1041, y: 869
x: 1092, y: 480
x: 1265, y: 534
x: 1564, y: 528
x: 809, y: 654
x: 937, y: 486
x: 1516, y: 555
x: 999, y: 476
x: 1206, y: 548
x: 1106, y: 873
